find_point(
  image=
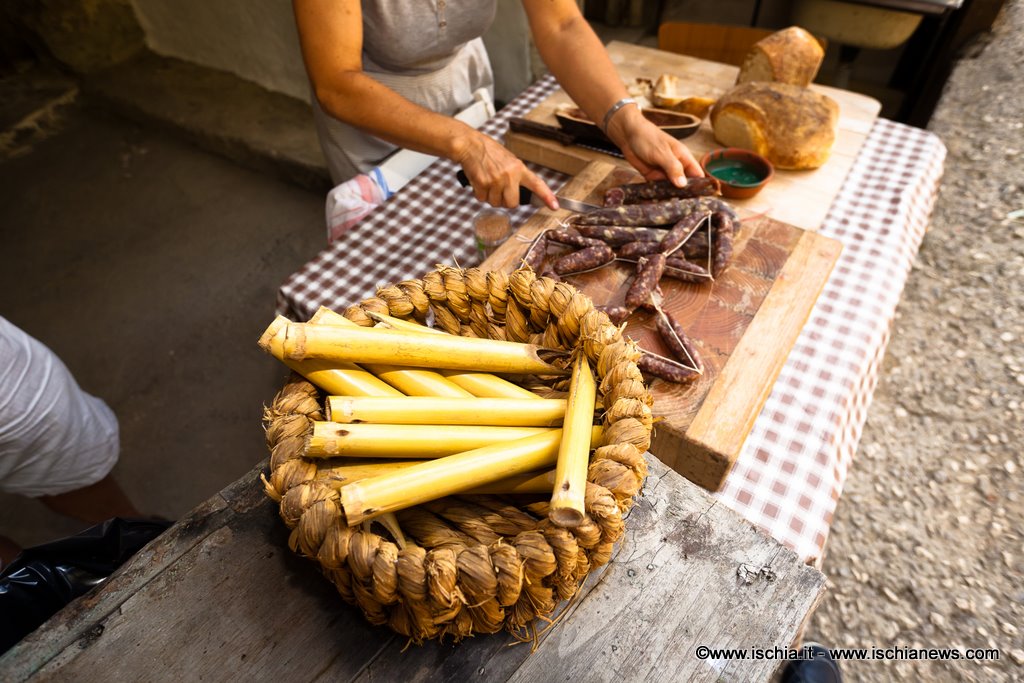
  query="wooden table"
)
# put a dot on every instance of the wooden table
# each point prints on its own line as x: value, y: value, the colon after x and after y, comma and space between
x: 220, y: 597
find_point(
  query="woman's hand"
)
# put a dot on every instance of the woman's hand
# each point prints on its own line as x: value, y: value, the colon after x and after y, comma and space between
x: 652, y: 151
x: 496, y: 174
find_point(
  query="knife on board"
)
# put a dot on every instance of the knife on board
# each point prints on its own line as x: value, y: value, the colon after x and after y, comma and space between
x: 526, y: 196
x: 518, y: 124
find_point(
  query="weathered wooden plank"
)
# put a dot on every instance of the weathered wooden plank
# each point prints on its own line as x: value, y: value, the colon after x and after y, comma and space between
x: 677, y: 581
x: 691, y: 572
x: 76, y: 622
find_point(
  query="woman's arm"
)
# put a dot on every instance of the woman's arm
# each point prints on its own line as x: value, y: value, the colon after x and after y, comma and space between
x: 331, y: 36
x: 579, y: 61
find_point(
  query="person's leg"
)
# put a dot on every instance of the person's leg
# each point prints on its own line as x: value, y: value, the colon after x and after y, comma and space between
x: 94, y: 503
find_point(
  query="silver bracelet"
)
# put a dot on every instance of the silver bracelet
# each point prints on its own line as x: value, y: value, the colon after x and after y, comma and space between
x: 612, y: 111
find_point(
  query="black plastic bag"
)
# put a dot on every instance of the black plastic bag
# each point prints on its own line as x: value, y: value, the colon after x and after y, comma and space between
x: 43, y: 579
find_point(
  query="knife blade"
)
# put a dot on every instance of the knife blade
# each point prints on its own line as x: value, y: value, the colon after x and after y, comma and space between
x: 526, y: 196
x: 518, y: 124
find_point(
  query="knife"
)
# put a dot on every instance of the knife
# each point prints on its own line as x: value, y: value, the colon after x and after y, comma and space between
x: 526, y: 196
x: 518, y: 124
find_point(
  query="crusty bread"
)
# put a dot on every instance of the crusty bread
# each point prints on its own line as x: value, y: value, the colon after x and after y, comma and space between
x: 792, y: 127
x: 791, y: 55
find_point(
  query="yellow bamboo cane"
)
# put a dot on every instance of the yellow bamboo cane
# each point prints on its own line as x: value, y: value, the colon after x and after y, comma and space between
x: 331, y: 376
x: 434, y: 479
x: 574, y: 451
x: 374, y: 345
x: 341, y: 475
x: 498, y: 412
x: 365, y: 440
x: 409, y: 381
x: 482, y: 384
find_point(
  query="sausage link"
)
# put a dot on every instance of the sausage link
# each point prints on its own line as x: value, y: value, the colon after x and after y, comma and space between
x: 634, y: 250
x: 675, y: 339
x: 584, y: 259
x: 684, y: 271
x: 614, y: 196
x: 534, y: 256
x: 659, y: 367
x: 573, y: 239
x: 648, y: 273
x: 668, y: 212
x: 681, y: 232
x: 634, y: 193
x: 723, y: 241
x: 617, y: 314
x: 615, y: 235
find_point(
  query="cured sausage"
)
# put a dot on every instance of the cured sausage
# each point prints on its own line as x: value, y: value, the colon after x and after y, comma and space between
x: 617, y: 314
x: 655, y: 190
x: 682, y: 231
x: 534, y: 256
x: 725, y: 230
x: 666, y: 369
x: 589, y: 258
x: 573, y: 239
x: 614, y: 196
x: 648, y: 273
x: 634, y: 250
x: 684, y: 271
x: 614, y: 235
x: 668, y: 212
x: 678, y: 343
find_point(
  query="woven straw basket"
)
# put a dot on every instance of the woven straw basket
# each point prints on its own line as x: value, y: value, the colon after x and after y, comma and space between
x: 471, y: 564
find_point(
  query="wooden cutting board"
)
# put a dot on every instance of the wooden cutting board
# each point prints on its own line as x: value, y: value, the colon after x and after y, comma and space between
x: 744, y: 325
x: 800, y: 198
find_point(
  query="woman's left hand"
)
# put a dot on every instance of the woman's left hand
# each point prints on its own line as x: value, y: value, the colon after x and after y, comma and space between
x: 653, y: 152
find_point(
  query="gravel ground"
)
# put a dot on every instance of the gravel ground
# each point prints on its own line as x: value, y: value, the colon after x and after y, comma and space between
x: 926, y: 546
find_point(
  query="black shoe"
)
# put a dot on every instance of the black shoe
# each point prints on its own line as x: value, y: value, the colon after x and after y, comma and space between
x: 821, y: 668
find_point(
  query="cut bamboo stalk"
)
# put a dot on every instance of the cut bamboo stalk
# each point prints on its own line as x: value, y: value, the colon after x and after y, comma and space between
x: 482, y: 384
x: 332, y: 377
x: 434, y: 479
x: 408, y: 381
x: 374, y: 345
x: 339, y: 475
x: 331, y: 439
x: 530, y: 482
x: 486, y: 385
x: 574, y: 451
x: 421, y: 410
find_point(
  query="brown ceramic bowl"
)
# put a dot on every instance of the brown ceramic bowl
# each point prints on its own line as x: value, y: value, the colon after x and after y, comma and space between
x: 741, y: 172
x: 676, y: 124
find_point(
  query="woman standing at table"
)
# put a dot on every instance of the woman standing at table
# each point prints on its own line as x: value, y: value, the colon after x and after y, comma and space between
x: 391, y: 73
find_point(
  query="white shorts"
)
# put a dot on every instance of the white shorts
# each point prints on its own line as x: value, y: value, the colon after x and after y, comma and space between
x: 54, y: 437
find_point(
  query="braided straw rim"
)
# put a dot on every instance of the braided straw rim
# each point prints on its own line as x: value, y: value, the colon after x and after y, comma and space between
x: 471, y: 564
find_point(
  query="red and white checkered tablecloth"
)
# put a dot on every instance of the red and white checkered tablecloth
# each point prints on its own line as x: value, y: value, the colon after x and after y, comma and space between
x: 790, y: 473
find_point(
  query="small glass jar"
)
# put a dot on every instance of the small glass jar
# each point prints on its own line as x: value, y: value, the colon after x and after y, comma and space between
x: 491, y: 227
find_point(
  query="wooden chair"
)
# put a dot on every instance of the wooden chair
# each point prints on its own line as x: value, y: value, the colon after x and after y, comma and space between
x: 714, y: 42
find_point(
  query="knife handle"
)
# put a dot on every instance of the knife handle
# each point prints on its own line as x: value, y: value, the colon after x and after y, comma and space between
x: 525, y: 194
x: 518, y: 124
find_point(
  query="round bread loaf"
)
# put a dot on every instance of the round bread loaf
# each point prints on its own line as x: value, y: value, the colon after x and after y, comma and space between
x: 792, y: 127
x: 791, y: 55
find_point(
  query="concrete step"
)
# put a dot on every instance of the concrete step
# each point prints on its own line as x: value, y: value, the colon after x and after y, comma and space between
x: 218, y: 111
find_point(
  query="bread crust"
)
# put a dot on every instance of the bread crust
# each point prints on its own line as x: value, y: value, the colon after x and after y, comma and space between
x: 792, y: 127
x: 791, y: 55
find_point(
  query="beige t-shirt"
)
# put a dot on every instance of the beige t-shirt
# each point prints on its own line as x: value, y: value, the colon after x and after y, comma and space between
x: 429, y: 52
